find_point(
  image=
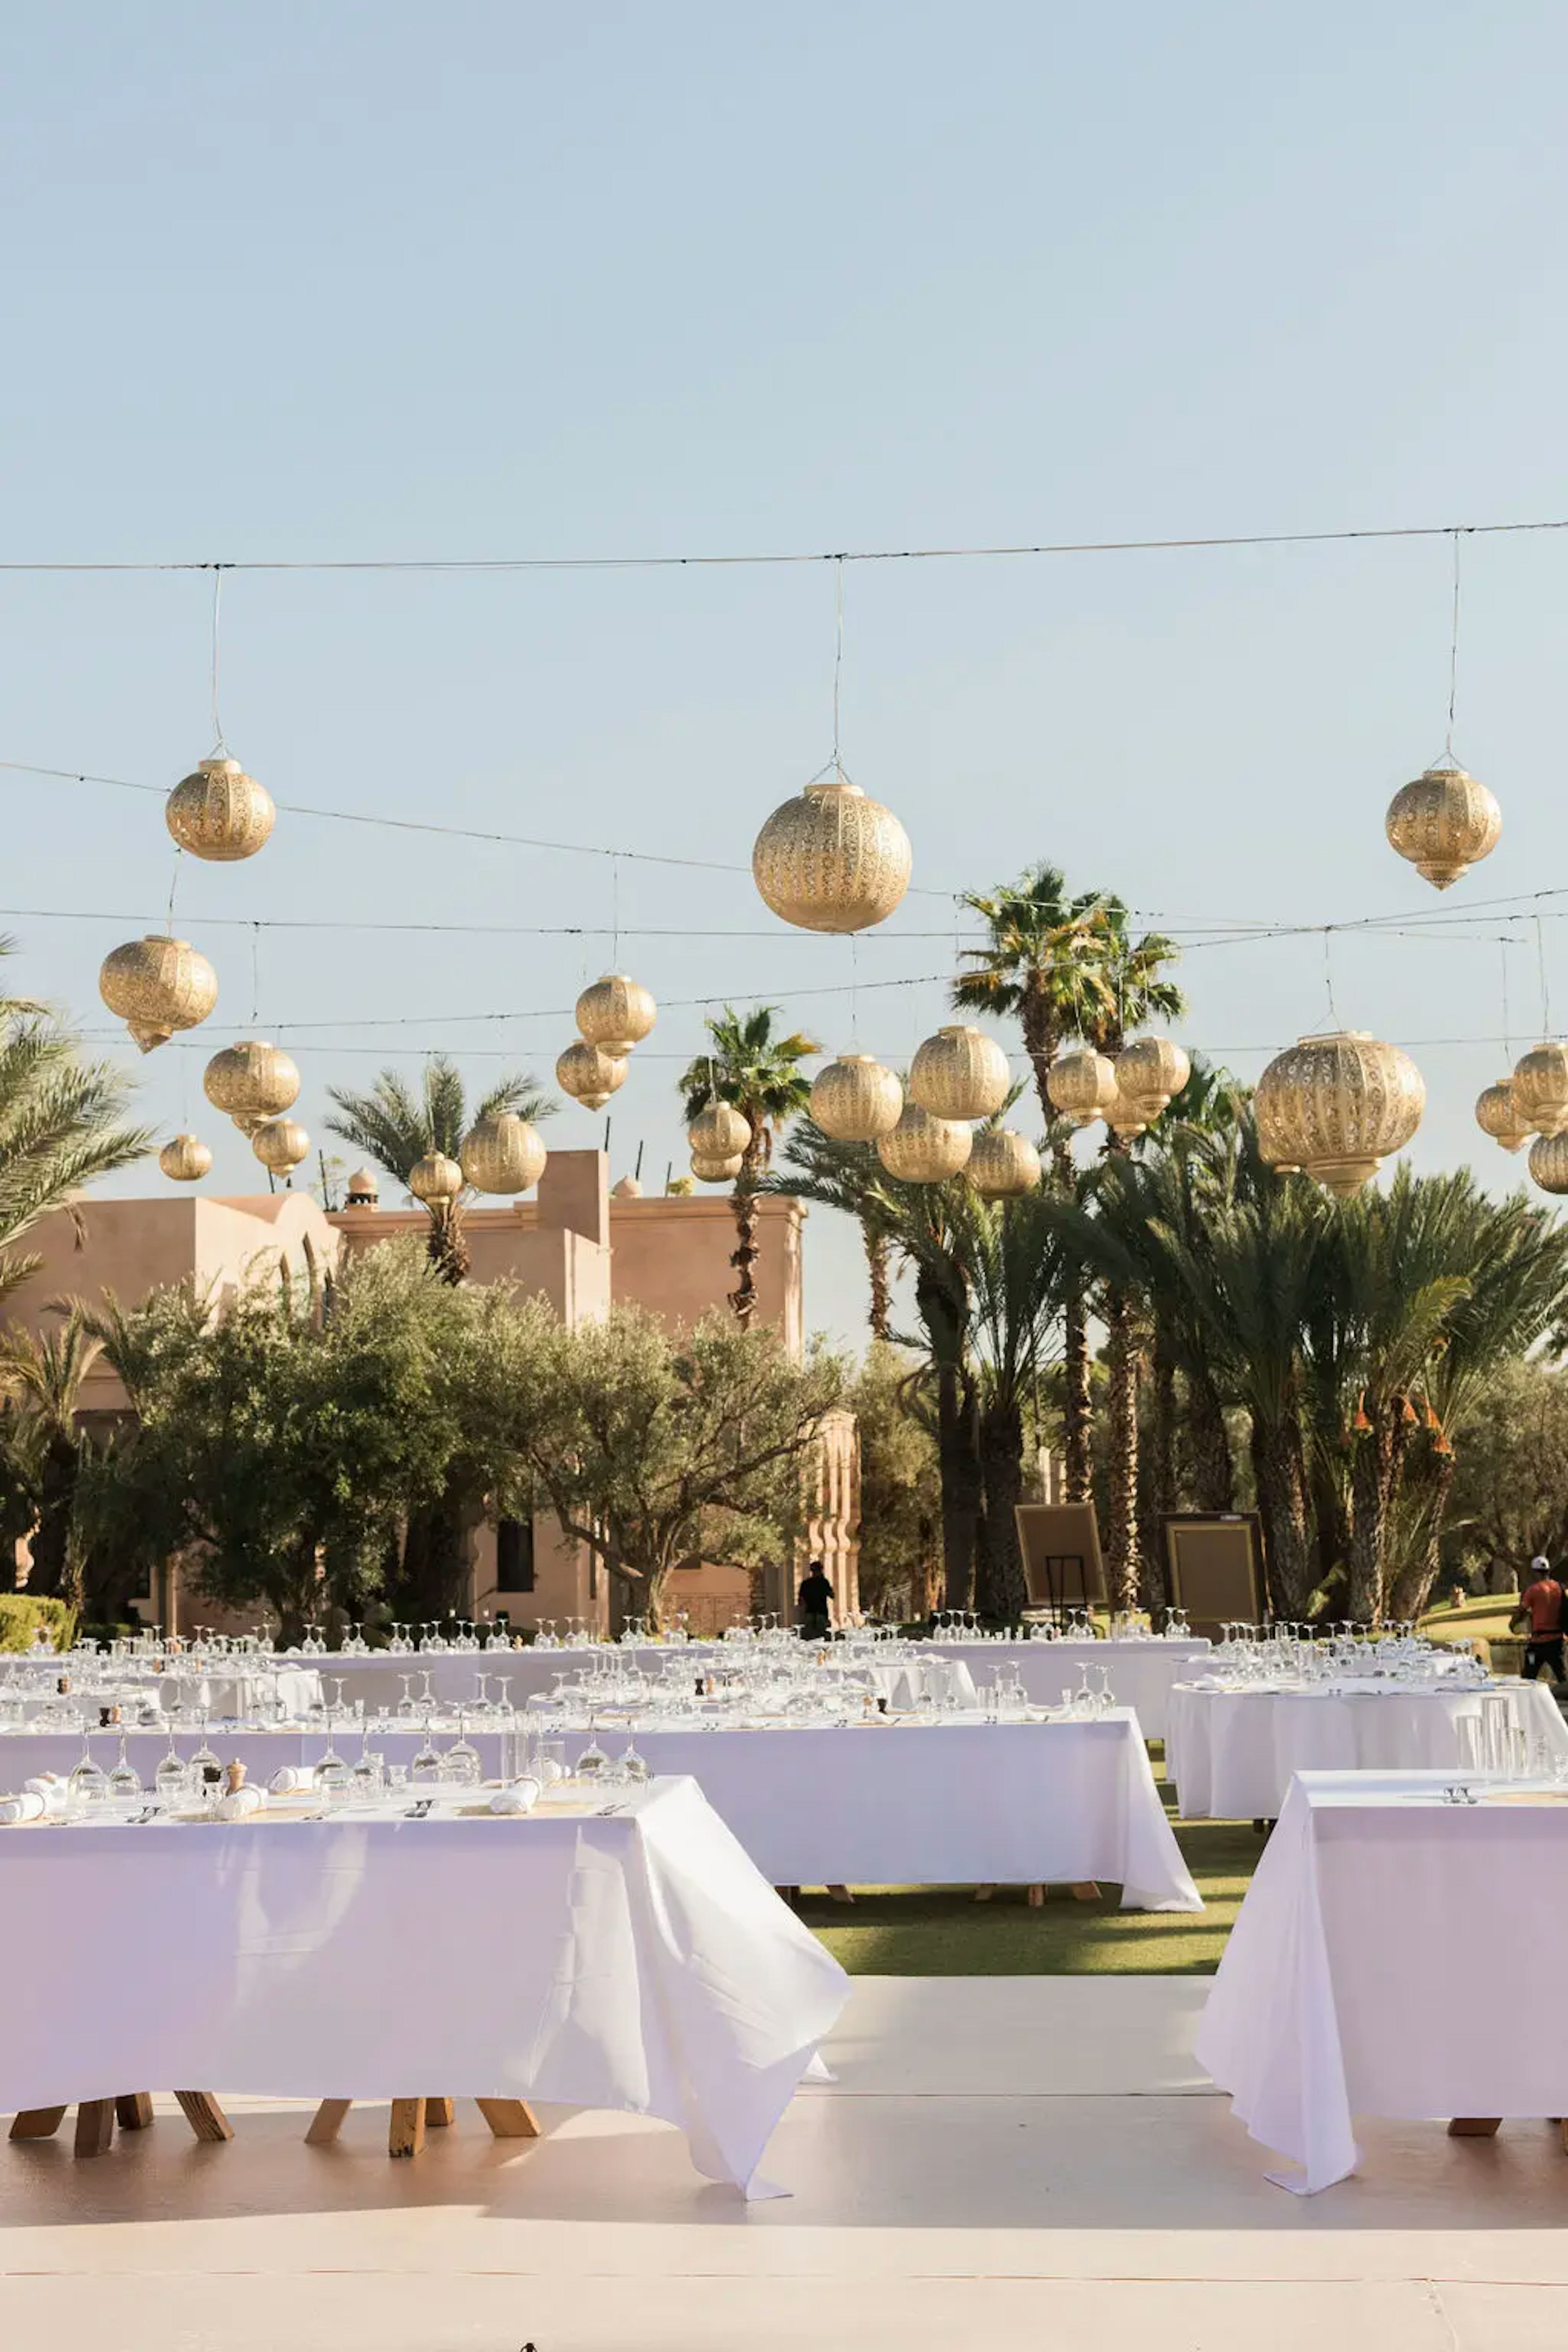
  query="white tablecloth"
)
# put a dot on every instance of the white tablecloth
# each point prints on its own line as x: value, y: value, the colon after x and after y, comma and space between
x: 638, y: 1962
x: 951, y: 1801
x: 1232, y: 1753
x: 1140, y: 1672
x: 1374, y: 1908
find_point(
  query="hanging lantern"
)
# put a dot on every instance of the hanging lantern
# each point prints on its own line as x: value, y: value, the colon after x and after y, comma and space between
x: 589, y: 1074
x: 1496, y: 1116
x: 832, y: 860
x: 184, y: 1160
x: 1150, y: 1074
x: 1081, y: 1085
x: 252, y: 1082
x: 156, y: 986
x: 1337, y: 1105
x: 435, y: 1180
x: 1548, y: 1162
x: 280, y: 1144
x: 1444, y: 823
x: 720, y: 1132
x: 1002, y: 1164
x: 855, y: 1099
x: 501, y: 1154
x: 922, y: 1149
x: 717, y: 1167
x: 615, y: 1013
x: 1539, y: 1085
x: 219, y: 811
x: 961, y: 1073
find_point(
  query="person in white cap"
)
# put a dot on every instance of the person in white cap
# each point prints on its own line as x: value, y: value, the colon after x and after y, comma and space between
x: 1542, y: 1602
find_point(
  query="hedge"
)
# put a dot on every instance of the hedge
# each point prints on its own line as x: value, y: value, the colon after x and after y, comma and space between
x: 21, y: 1614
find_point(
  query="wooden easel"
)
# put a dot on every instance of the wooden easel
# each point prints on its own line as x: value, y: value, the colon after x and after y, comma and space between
x: 507, y: 2120
x: 132, y: 2110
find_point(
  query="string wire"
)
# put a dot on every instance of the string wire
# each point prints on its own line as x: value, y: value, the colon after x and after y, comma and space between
x: 1453, y: 656
x: 837, y: 657
x: 1329, y: 974
x: 1545, y: 990
x: 219, y: 750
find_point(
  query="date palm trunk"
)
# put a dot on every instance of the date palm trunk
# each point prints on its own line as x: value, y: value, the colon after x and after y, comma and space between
x: 1282, y: 1506
x: 1213, y: 1472
x: 879, y: 1256
x: 1041, y: 1042
x: 1370, y: 1472
x: 448, y: 1243
x: 1121, y: 1434
x: 743, y: 1205
x: 1001, y: 1465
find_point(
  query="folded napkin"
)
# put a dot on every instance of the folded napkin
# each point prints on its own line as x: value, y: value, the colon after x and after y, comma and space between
x: 239, y: 1804
x: 517, y: 1797
x: 52, y: 1787
x: 291, y: 1778
x: 29, y: 1807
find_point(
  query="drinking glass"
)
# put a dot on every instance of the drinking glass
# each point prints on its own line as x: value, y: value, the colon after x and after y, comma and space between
x: 171, y: 1778
x: 593, y: 1762
x: 462, y: 1759
x: 207, y: 1772
x: 125, y: 1781
x: 88, y: 1782
x: 427, y: 1764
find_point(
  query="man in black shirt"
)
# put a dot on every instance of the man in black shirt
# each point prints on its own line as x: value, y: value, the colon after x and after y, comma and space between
x: 814, y: 1604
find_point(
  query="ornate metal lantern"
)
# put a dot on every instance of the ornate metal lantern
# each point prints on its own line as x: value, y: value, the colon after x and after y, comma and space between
x: 718, y: 1132
x: 1337, y: 1105
x: 1149, y: 1074
x: 1497, y: 1116
x: 502, y: 1154
x: 1540, y: 1083
x: 1548, y: 1162
x: 831, y: 859
x: 1081, y: 1085
x: 184, y: 1160
x: 219, y: 811
x: 156, y: 986
x: 280, y: 1144
x: 251, y: 1082
x: 961, y: 1073
x: 615, y: 1012
x: 923, y: 1150
x: 855, y: 1099
x: 1444, y: 823
x: 435, y: 1179
x: 1002, y: 1164
x: 590, y: 1075
x: 717, y: 1167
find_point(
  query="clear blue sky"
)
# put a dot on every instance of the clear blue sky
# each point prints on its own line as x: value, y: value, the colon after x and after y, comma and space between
x: 500, y: 279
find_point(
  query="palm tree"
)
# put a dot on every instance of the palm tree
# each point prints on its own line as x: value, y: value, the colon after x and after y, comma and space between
x: 42, y: 1375
x: 843, y: 1176
x: 759, y: 1074
x: 397, y: 1128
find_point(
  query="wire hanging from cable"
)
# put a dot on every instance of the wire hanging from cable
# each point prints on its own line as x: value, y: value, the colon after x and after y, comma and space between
x: 1453, y: 658
x: 220, y: 749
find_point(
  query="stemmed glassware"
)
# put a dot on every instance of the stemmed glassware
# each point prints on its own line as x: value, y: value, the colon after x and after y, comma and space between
x: 593, y: 1762
x: 88, y: 1782
x: 333, y: 1777
x: 125, y: 1781
x: 462, y: 1759
x: 427, y: 1764
x: 205, y: 1771
x: 171, y: 1778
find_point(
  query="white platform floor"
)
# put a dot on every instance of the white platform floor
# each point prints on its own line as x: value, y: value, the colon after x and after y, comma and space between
x: 1003, y: 2162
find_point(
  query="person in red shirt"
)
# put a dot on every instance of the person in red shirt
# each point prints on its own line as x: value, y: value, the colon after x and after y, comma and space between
x: 1542, y: 1602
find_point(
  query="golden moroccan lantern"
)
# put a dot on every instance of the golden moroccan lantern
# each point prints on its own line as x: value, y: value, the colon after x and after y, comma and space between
x: 1002, y: 1164
x: 718, y: 1132
x: 1539, y: 1085
x: 1496, y: 1116
x: 1125, y: 1115
x: 855, y: 1099
x: 1150, y: 1073
x: 280, y: 1144
x: 219, y: 811
x: 1081, y: 1085
x: 717, y: 1167
x: 923, y: 1150
x: 252, y: 1082
x: 961, y: 1073
x: 435, y: 1180
x: 1337, y: 1105
x: 156, y: 986
x: 501, y: 1154
x: 589, y: 1074
x: 184, y: 1160
x: 615, y: 1013
x: 1444, y: 823
x: 831, y: 859
x: 1548, y: 1162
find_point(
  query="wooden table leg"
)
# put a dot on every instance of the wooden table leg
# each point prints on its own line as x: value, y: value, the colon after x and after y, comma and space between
x: 327, y: 2122
x: 1475, y: 2126
x: 437, y: 2111
x: 204, y: 2116
x: 133, y: 2110
x: 405, y: 2134
x: 1086, y: 1891
x: 510, y: 2118
x: 38, y: 2123
x: 94, y: 2127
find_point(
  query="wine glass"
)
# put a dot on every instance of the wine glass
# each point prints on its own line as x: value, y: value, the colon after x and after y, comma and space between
x: 633, y: 1766
x: 334, y: 1778
x: 88, y: 1782
x: 170, y: 1779
x: 427, y: 1764
x: 207, y: 1772
x: 593, y: 1763
x: 462, y: 1759
x: 125, y: 1781
x: 367, y: 1771
x: 406, y: 1709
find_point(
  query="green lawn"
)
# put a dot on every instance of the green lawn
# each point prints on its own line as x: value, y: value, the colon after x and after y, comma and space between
x: 941, y: 1931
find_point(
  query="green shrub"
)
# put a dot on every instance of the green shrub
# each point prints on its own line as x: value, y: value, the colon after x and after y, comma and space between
x: 21, y: 1615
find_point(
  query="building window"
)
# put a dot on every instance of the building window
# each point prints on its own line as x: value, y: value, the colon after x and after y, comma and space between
x: 514, y: 1555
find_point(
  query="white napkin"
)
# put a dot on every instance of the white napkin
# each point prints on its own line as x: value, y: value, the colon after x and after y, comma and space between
x: 518, y: 1797
x: 291, y: 1778
x: 29, y: 1807
x: 52, y: 1787
x: 239, y: 1803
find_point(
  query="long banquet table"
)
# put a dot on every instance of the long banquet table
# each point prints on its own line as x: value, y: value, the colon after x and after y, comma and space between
x: 1372, y: 1901
x: 951, y: 1801
x: 636, y: 1962
x: 1232, y: 1753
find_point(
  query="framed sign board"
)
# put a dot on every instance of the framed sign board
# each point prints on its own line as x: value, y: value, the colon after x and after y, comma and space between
x: 1060, y: 1544
x: 1213, y: 1562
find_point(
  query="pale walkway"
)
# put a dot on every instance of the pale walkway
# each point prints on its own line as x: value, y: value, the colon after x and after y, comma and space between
x: 1004, y: 2162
